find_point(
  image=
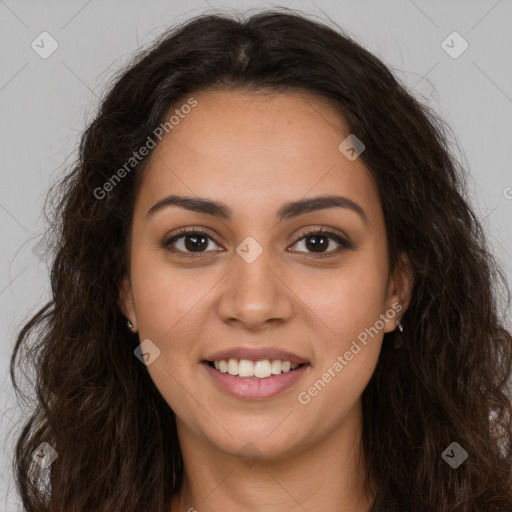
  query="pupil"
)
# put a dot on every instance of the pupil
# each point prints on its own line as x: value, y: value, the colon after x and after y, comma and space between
x: 315, y: 246
x: 192, y: 246
x: 191, y: 242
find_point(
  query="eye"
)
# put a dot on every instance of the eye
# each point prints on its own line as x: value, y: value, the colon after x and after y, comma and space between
x: 191, y: 240
x: 194, y: 242
x: 318, y: 240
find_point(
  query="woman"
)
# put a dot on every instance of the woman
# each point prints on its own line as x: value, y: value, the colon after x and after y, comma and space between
x: 269, y: 293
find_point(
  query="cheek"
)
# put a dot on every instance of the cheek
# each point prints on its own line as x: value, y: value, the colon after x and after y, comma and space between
x: 333, y: 392
x: 346, y: 301
x: 346, y: 307
x: 165, y: 297
x: 170, y: 313
x: 348, y: 350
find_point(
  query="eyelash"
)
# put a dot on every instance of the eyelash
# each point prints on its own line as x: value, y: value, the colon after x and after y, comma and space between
x: 343, y: 242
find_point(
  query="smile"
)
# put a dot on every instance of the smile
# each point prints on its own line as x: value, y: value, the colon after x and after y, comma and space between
x: 254, y: 380
x: 259, y: 369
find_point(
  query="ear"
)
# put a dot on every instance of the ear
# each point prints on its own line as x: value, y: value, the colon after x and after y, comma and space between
x: 399, y: 292
x: 125, y: 300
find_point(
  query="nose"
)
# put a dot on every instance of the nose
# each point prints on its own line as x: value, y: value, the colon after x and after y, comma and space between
x: 256, y: 294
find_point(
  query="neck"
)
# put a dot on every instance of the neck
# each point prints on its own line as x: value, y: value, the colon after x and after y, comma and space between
x: 322, y: 475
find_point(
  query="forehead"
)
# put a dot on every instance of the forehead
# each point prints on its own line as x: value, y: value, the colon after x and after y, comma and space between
x: 240, y: 146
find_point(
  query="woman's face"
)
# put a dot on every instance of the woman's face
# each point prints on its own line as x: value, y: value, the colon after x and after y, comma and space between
x: 253, y: 287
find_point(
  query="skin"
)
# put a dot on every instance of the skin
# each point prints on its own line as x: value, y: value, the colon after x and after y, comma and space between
x: 253, y: 153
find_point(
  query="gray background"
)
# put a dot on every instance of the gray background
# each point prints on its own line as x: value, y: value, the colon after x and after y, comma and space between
x: 45, y: 103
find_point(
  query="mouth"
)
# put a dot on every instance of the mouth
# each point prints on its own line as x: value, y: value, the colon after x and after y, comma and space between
x: 254, y: 380
x: 254, y: 370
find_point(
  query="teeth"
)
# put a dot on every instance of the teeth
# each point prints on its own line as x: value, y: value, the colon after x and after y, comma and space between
x: 260, y: 369
x: 275, y: 367
x: 233, y: 367
x: 245, y: 368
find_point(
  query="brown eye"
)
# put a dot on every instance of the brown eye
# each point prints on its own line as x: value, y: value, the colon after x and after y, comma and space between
x: 194, y: 242
x: 189, y: 242
x: 319, y: 241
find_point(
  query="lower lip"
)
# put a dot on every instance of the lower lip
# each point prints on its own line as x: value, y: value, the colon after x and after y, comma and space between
x: 253, y: 388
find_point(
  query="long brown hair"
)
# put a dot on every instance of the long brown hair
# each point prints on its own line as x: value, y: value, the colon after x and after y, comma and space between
x: 97, y: 407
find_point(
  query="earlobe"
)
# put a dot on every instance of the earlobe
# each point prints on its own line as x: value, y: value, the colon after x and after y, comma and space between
x: 399, y: 293
x: 125, y: 303
x: 404, y: 280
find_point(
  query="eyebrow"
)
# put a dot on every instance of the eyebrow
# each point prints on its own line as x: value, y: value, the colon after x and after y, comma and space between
x: 287, y: 211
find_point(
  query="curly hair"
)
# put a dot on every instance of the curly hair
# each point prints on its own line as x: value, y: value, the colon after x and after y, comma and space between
x: 450, y: 380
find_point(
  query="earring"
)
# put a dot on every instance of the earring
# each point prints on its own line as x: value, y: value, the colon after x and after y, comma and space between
x: 131, y: 326
x: 398, y: 341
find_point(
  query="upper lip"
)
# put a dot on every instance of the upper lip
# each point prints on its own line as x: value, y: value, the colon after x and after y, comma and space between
x: 256, y: 354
